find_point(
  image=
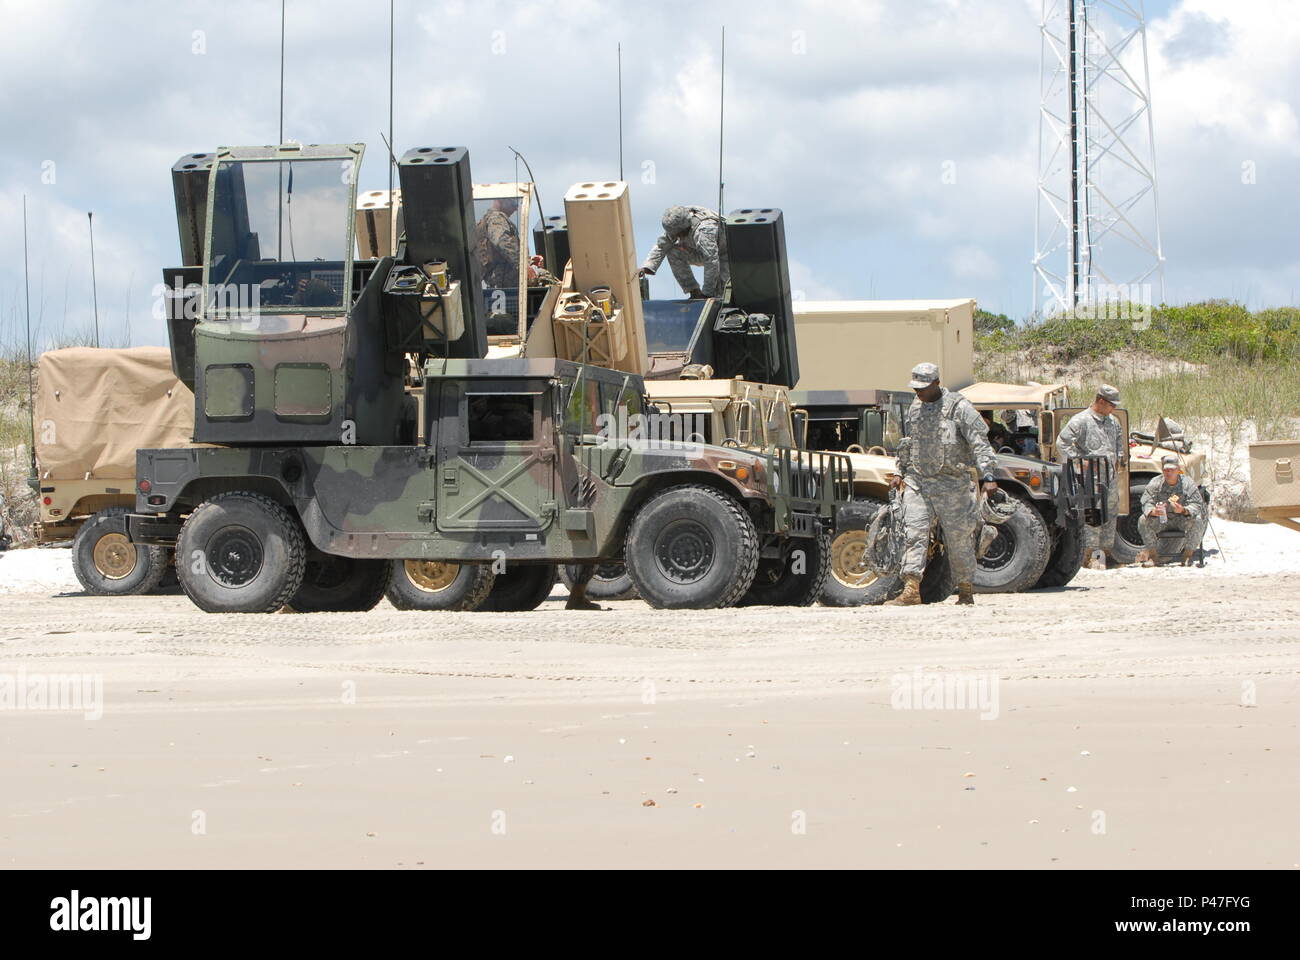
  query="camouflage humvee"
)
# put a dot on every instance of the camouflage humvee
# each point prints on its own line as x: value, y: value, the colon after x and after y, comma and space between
x: 317, y: 480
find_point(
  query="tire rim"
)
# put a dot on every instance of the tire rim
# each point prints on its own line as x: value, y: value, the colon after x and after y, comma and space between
x: 1000, y: 551
x: 431, y: 576
x: 609, y: 571
x: 684, y: 551
x: 114, y: 556
x: 234, y: 556
x: 1127, y: 530
x: 849, y: 560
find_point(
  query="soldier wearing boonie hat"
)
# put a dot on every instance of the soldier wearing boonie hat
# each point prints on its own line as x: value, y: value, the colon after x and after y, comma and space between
x: 1171, y: 503
x: 945, y: 438
x: 1096, y: 432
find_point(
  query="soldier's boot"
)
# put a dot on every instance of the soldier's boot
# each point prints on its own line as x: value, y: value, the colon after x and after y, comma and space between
x: 578, y: 600
x: 1144, y: 559
x: 1098, y: 561
x: 965, y: 595
x: 911, y: 595
x: 1187, y: 557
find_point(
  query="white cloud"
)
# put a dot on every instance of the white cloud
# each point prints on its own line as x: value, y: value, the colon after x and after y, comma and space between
x: 844, y: 115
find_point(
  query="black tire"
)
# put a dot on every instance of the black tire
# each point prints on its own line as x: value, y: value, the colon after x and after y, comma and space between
x: 170, y: 582
x: 107, y: 564
x: 1018, y: 556
x: 691, y: 547
x: 240, y: 552
x: 777, y: 585
x: 523, y: 586
x: 1067, y: 557
x: 332, y: 584
x: 431, y: 585
x: 1128, y: 539
x: 609, y: 582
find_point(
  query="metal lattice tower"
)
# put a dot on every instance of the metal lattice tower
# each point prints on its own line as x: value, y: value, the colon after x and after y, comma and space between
x: 1097, y: 231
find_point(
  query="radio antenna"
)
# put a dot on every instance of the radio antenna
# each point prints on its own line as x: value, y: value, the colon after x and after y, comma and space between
x: 279, y: 167
x: 392, y: 206
x: 722, y: 89
x: 620, y: 111
x: 31, y: 391
x: 548, y: 242
x: 94, y: 284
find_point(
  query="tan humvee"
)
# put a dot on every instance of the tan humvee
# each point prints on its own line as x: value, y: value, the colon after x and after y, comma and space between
x: 94, y: 408
x: 1046, y: 408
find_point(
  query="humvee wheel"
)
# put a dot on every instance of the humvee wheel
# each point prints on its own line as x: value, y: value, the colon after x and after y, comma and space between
x: 435, y: 585
x: 108, y: 564
x: 1128, y: 539
x: 1066, y: 559
x: 691, y: 547
x: 523, y: 586
x: 609, y: 582
x: 336, y: 584
x: 1018, y: 555
x: 776, y: 584
x: 851, y: 581
x: 240, y: 552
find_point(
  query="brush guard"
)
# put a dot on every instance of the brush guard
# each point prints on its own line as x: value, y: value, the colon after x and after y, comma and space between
x: 1085, y: 490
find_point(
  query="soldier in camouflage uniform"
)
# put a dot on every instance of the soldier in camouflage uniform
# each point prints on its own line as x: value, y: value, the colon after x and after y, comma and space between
x: 693, y: 236
x: 946, y: 438
x: 1096, y: 432
x: 496, y: 243
x: 1171, y: 502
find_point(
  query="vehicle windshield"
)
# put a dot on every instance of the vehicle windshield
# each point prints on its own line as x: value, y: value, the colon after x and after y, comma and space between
x: 279, y: 236
x: 670, y: 324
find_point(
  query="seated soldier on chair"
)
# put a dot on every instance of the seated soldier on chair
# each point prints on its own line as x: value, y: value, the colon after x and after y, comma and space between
x: 1171, y: 503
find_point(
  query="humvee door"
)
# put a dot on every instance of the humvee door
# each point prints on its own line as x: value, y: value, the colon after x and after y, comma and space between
x: 495, y: 457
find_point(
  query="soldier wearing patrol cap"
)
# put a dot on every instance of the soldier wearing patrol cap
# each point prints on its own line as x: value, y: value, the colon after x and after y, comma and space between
x: 1096, y: 432
x: 1170, y: 503
x: 946, y: 438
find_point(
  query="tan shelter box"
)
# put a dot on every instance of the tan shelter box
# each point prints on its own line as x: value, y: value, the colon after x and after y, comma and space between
x: 845, y: 344
x: 1275, y: 474
x: 96, y: 407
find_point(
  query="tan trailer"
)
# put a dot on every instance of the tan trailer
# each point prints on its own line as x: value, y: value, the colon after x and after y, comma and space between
x: 94, y: 408
x: 876, y: 343
x: 1275, y: 481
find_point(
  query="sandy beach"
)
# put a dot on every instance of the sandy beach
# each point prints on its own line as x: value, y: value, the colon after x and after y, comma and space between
x: 1137, y: 718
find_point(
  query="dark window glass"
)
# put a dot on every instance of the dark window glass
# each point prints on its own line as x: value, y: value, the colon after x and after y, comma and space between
x: 500, y: 418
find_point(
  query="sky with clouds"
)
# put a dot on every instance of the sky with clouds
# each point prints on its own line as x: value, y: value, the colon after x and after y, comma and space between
x: 899, y: 136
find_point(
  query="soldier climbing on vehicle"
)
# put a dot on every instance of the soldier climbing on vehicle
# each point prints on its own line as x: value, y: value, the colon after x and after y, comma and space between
x: 692, y: 237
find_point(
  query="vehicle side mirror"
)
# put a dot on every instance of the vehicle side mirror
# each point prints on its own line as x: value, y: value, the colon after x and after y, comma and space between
x: 1046, y: 428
